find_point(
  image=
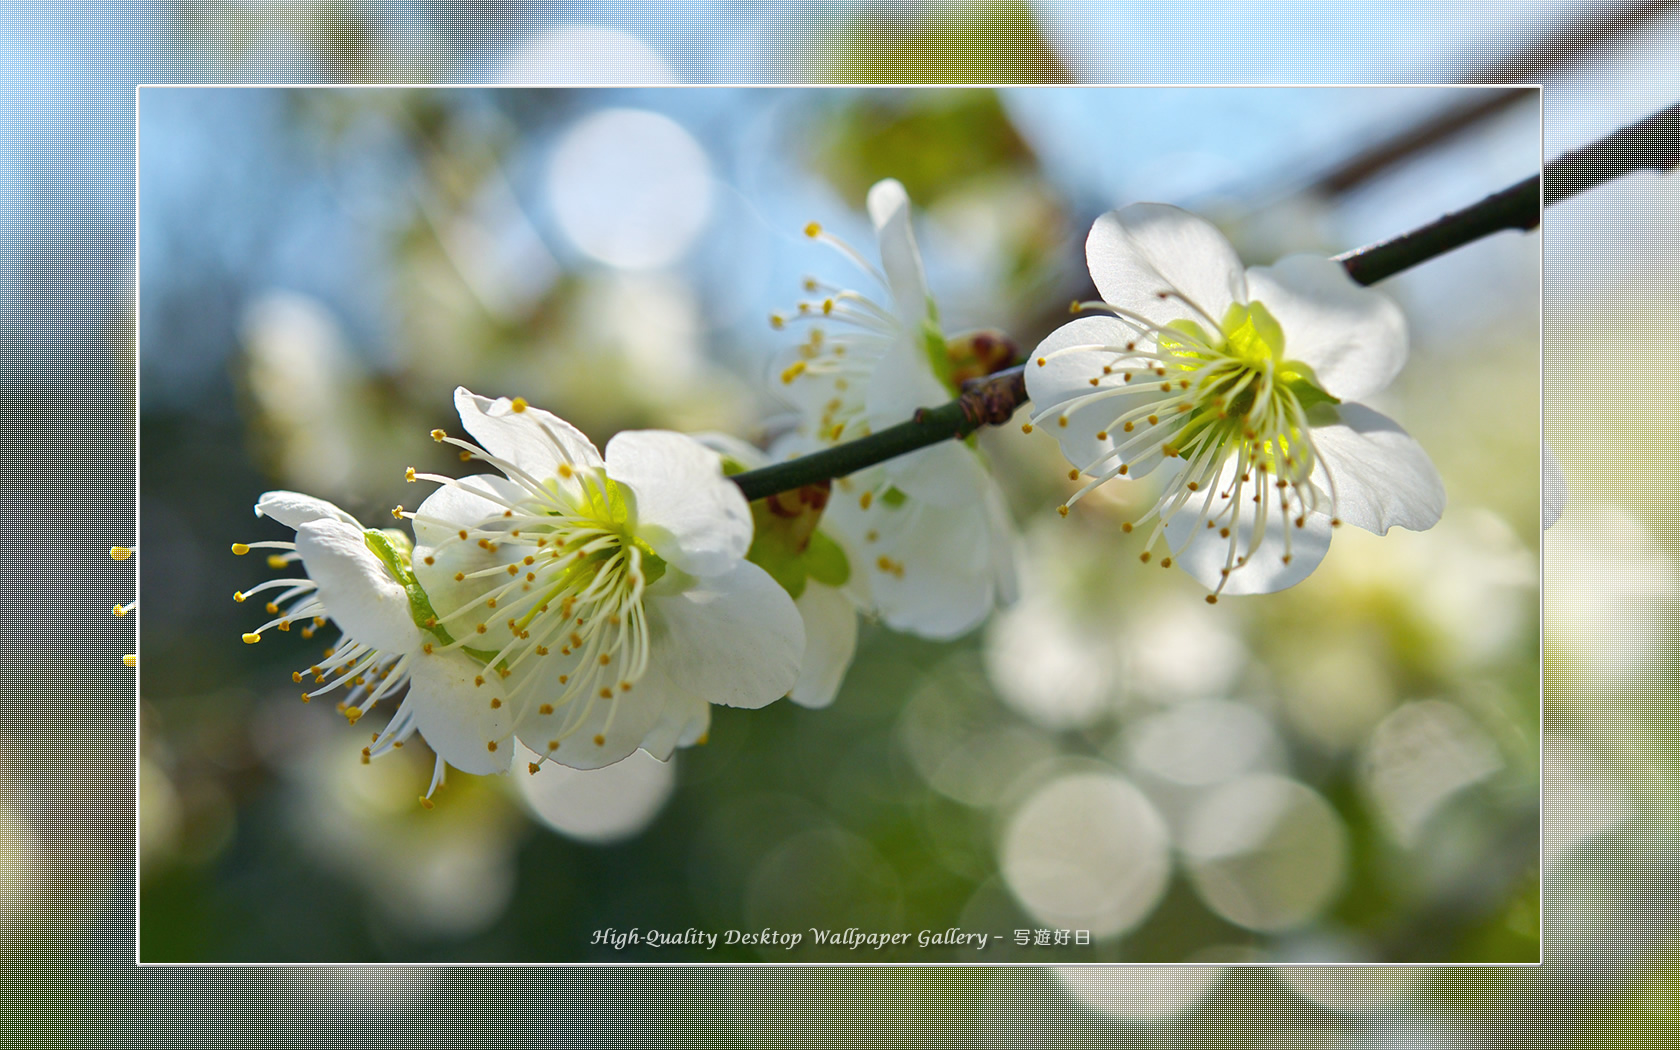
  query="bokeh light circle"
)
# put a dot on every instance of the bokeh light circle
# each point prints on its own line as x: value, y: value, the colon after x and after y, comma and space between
x: 1266, y: 852
x: 630, y: 187
x: 1086, y: 852
x: 1139, y: 993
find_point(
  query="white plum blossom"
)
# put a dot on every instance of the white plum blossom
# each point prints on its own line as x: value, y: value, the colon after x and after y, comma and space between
x: 606, y: 597
x: 933, y: 536
x: 360, y: 580
x: 1240, y: 390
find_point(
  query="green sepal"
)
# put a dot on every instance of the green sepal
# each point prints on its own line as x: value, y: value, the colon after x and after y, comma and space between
x: 826, y: 562
x: 392, y: 548
x: 1299, y: 379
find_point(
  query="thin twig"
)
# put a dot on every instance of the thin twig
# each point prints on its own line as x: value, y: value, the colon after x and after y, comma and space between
x: 1653, y: 144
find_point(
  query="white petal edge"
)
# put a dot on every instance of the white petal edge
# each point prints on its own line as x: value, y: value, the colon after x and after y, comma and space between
x: 456, y: 717
x: 534, y: 440
x: 292, y: 509
x: 1202, y: 553
x: 1071, y: 360
x: 1381, y: 476
x: 889, y: 209
x: 354, y: 586
x: 733, y: 639
x: 1353, y: 337
x: 1139, y: 252
x: 830, y: 641
x: 690, y: 514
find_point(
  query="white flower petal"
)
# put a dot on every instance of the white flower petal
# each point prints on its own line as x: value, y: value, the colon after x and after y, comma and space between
x: 1141, y: 251
x: 733, y: 639
x: 1066, y: 376
x: 830, y: 640
x: 901, y: 381
x: 294, y: 508
x: 1353, y: 337
x: 690, y: 514
x: 931, y: 570
x: 1381, y: 477
x: 355, y: 587
x: 591, y: 731
x: 1202, y: 552
x: 889, y: 210
x: 440, y: 555
x: 464, y: 505
x: 534, y: 440
x: 1556, y: 491
x: 948, y: 474
x: 457, y: 718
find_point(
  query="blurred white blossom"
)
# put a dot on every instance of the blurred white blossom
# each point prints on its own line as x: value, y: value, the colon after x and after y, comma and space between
x: 935, y: 537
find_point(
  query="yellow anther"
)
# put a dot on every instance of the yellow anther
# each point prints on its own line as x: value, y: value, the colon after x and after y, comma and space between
x: 1042, y: 362
x: 866, y: 499
x: 1144, y: 557
x: 1213, y: 599
x: 131, y: 660
x: 793, y: 371
x: 828, y: 306
x: 277, y: 561
x: 1026, y: 428
x: 251, y: 638
x: 600, y: 741
x: 518, y: 404
x: 777, y: 321
x: 438, y: 435
x: 121, y: 553
x: 425, y: 803
x: 238, y: 596
x: 367, y: 756
x: 408, y: 475
x: 1102, y: 435
x: 1062, y: 421
x: 1166, y: 563
x: 813, y: 229
x: 397, y: 512
x: 545, y: 709
x: 1073, y: 475
x: 1062, y: 510
x: 352, y: 715
x: 495, y: 702
x: 490, y: 745
x: 533, y: 767
x: 241, y: 548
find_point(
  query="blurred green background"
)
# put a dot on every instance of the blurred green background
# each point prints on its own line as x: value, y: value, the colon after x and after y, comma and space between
x: 1347, y: 771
